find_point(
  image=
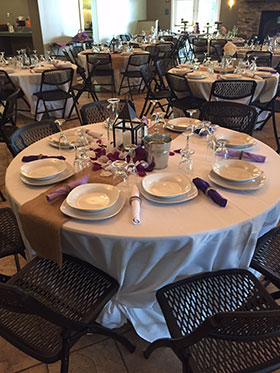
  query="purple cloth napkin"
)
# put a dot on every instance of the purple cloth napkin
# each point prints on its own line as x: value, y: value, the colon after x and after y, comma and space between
x: 65, y: 189
x: 210, y: 192
x: 30, y: 158
x: 245, y: 156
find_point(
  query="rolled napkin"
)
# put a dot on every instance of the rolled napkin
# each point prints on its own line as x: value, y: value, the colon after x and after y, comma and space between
x: 135, y: 203
x: 210, y: 192
x: 65, y: 189
x: 30, y: 158
x: 245, y: 156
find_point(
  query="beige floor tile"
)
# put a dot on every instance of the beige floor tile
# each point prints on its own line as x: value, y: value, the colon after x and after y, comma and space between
x: 13, y: 360
x: 162, y: 360
x: 42, y: 368
x: 103, y: 357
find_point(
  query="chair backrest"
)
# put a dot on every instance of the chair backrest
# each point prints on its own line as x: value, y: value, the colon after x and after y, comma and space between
x: 76, y: 49
x: 153, y: 50
x: 124, y: 37
x: 6, y: 84
x: 10, y: 109
x: 57, y: 78
x: 178, y: 85
x: 233, y: 89
x: 31, y: 133
x: 136, y: 60
x: 232, y: 115
x: 162, y: 67
x: 147, y: 75
x: 104, y: 61
x: 262, y: 58
x: 96, y: 112
x: 164, y: 49
x: 219, y: 51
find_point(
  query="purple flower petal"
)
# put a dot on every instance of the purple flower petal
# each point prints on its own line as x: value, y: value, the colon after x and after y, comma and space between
x: 96, y: 166
x: 178, y: 151
x: 141, y: 170
x: 171, y: 154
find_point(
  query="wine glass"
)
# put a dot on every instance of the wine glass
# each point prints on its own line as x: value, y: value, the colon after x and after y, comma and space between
x: 82, y: 159
x: 131, y: 168
x: 120, y: 169
x: 221, y: 152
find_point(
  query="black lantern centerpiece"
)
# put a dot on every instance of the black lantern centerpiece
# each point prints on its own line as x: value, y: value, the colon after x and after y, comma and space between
x: 130, y: 125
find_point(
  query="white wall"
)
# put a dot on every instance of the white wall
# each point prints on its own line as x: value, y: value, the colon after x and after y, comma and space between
x: 59, y: 19
x: 114, y: 17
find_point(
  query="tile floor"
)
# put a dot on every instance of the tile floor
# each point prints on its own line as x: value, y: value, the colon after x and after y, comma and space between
x: 95, y: 354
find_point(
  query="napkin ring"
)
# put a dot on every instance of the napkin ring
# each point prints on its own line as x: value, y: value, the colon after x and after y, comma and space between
x: 208, y: 190
x: 135, y: 198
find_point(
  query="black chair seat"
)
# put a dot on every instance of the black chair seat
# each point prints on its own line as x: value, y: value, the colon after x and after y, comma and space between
x: 162, y: 94
x: 45, y: 309
x: 132, y: 74
x: 53, y: 95
x: 108, y: 72
x: 5, y: 93
x: 187, y: 103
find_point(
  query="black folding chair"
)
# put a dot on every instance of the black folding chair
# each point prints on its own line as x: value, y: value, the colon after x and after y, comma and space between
x: 262, y: 58
x: 233, y: 90
x: 56, y: 85
x: 104, y: 68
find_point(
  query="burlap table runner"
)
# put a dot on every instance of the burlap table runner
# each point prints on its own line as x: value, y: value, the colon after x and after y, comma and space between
x: 42, y: 220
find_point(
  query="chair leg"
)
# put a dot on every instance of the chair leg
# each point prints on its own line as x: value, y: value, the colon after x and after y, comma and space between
x: 148, y: 109
x: 2, y: 197
x: 121, y: 84
x: 144, y: 107
x: 110, y: 333
x: 275, y: 131
x: 64, y: 363
x: 17, y: 262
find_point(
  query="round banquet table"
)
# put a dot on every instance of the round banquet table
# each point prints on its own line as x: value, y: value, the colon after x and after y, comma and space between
x: 241, y: 53
x: 172, y: 242
x: 29, y: 81
x: 266, y: 88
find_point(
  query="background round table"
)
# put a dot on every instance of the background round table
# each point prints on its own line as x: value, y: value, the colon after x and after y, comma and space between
x: 172, y: 241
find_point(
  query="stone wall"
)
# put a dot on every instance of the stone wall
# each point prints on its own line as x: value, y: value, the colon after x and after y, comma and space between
x: 249, y: 14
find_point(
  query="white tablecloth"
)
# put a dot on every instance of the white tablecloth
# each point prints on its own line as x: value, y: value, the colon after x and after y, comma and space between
x: 172, y: 241
x: 30, y: 82
x: 265, y: 90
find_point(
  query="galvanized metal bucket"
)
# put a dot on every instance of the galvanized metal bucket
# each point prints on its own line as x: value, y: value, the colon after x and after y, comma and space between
x: 158, y: 148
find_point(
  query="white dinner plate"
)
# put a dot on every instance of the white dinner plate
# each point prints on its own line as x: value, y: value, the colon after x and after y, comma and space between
x: 70, y: 136
x: 236, y: 170
x: 263, y: 74
x: 167, y: 201
x: 43, y: 169
x: 64, y: 175
x: 250, y: 185
x: 101, y: 215
x: 231, y: 76
x: 166, y: 185
x: 268, y: 68
x: 240, y: 141
x: 180, y: 124
x: 196, y: 75
x: 93, y: 197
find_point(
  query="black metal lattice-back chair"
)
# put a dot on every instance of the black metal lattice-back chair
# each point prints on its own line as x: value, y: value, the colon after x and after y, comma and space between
x: 233, y: 90
x: 182, y: 97
x: 132, y: 71
x: 31, y: 133
x: 45, y: 309
x: 96, y: 112
x: 104, y: 68
x: 221, y: 322
x: 232, y: 115
x: 266, y: 259
x: 153, y: 94
x: 10, y: 238
x: 56, y: 85
x: 262, y: 58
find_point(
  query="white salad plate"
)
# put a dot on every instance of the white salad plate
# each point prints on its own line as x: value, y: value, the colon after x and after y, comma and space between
x: 231, y: 76
x: 100, y: 215
x: 60, y: 177
x: 196, y: 75
x: 70, y: 136
x: 43, y: 169
x: 263, y: 74
x: 93, y: 197
x: 267, y: 68
x: 180, y: 124
x: 254, y: 184
x: 166, y: 185
x: 192, y: 193
x: 240, y: 141
x: 236, y: 170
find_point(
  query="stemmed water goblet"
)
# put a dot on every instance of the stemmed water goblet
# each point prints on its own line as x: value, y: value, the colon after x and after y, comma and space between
x: 82, y: 159
x: 221, y: 152
x: 131, y: 168
x: 120, y: 169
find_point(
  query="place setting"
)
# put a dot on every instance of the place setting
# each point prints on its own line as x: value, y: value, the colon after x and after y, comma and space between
x: 93, y: 201
x: 46, y: 171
